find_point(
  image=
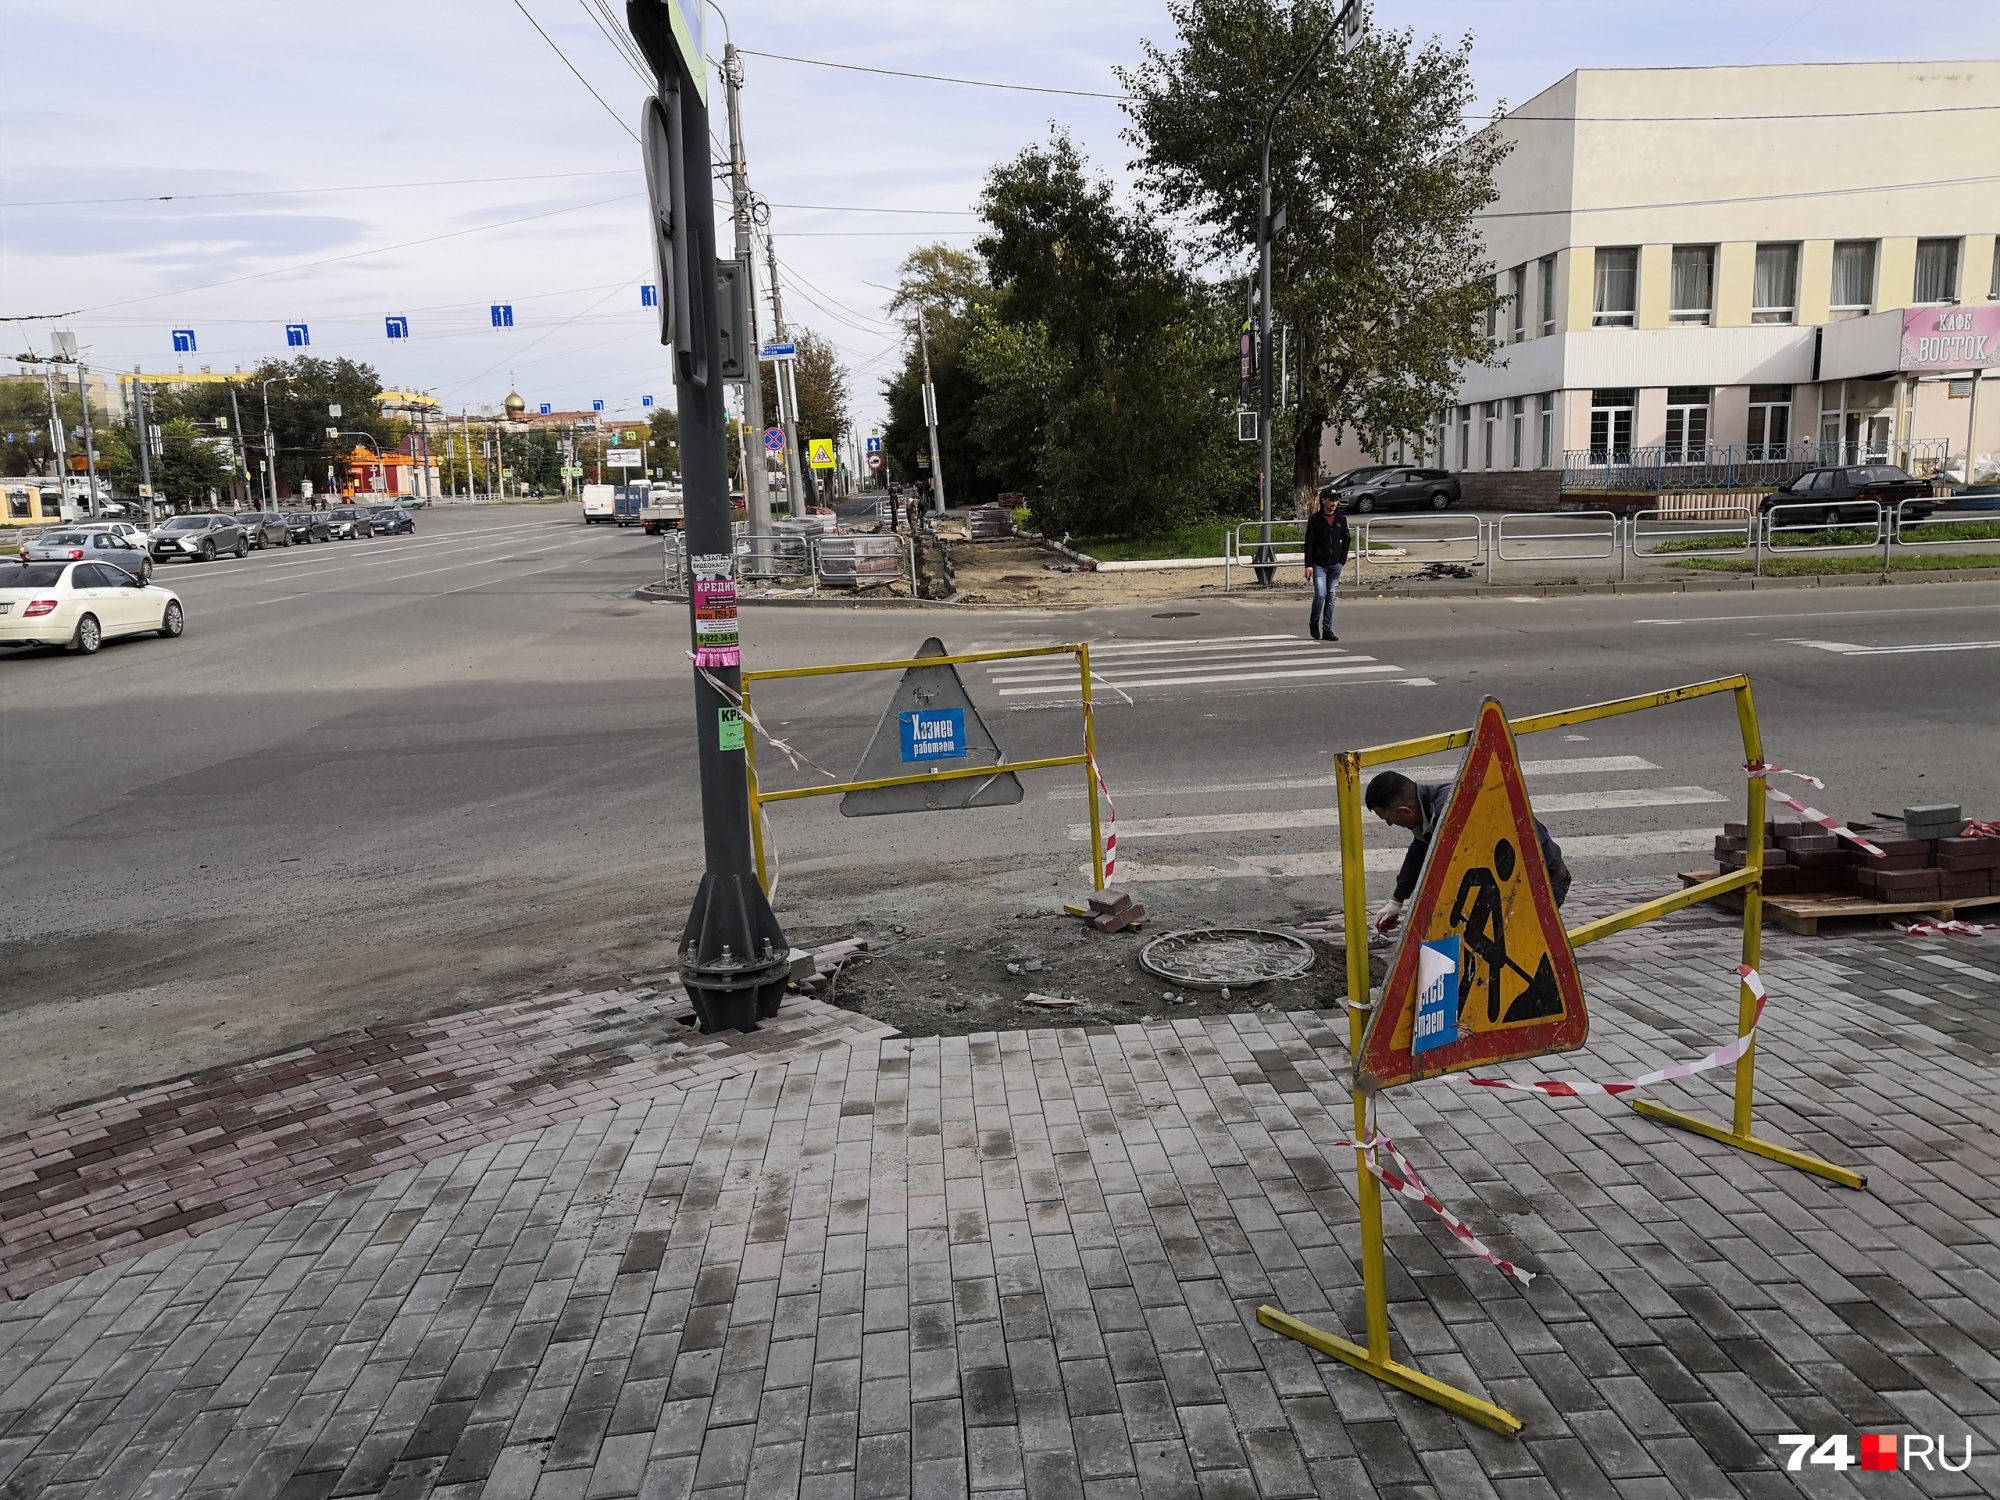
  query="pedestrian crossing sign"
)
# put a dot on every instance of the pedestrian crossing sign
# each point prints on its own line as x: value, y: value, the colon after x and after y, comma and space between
x: 819, y: 453
x: 1482, y: 938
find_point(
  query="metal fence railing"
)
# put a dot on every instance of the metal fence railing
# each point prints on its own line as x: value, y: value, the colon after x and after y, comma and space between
x: 1559, y: 536
x: 1719, y: 466
x: 1980, y: 528
x: 855, y: 562
x: 1659, y: 533
x: 1460, y: 540
x: 1242, y: 543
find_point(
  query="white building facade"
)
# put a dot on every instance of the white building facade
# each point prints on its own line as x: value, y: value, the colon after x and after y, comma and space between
x: 1720, y: 265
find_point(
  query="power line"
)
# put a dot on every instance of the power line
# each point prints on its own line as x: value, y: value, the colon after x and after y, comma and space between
x: 572, y: 67
x: 1617, y: 208
x: 615, y: 34
x: 977, y: 83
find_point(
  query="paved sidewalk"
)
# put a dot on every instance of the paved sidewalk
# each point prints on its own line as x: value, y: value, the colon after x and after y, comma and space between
x: 1029, y: 1263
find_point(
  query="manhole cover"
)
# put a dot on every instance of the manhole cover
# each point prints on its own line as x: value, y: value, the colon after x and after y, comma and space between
x: 1178, y: 614
x: 1208, y: 958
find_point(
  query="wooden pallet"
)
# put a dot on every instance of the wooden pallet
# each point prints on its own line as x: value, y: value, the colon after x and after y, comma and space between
x: 1803, y: 914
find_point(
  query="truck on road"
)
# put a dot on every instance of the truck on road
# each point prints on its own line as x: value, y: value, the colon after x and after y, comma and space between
x: 665, y: 510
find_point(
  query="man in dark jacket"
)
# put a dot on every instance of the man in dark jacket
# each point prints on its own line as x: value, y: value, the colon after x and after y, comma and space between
x: 1402, y: 803
x: 1326, y: 554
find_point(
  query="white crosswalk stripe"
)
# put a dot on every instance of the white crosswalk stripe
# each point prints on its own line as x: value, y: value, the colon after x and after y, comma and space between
x: 1128, y: 667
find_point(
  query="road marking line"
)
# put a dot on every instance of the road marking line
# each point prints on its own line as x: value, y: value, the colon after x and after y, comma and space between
x: 1828, y: 614
x: 1575, y: 765
x: 1141, y: 674
x: 1233, y: 677
x: 1326, y: 863
x: 1329, y: 817
x: 1844, y: 649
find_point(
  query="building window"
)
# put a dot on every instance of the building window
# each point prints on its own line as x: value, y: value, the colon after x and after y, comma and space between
x: 1853, y: 279
x: 1774, y: 295
x: 1548, y: 304
x: 1517, y: 443
x: 1517, y: 294
x: 1464, y: 438
x: 1493, y: 324
x: 1611, y: 425
x: 17, y: 505
x: 1770, y: 421
x: 1616, y: 291
x: 1687, y: 424
x: 1692, y: 294
x: 52, y: 504
x: 1492, y: 422
x: 1937, y: 271
x: 1545, y: 420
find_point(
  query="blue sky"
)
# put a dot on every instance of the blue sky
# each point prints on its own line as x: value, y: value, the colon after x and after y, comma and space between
x: 233, y: 107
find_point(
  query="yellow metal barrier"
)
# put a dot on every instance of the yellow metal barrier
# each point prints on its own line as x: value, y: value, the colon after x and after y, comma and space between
x: 1088, y: 759
x: 1374, y: 1357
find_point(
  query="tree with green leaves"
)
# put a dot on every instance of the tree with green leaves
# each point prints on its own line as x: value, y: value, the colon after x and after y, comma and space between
x: 302, y: 390
x: 191, y: 463
x: 1381, y: 273
x: 1108, y: 368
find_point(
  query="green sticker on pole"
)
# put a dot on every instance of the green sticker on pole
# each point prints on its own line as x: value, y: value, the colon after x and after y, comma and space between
x: 729, y: 728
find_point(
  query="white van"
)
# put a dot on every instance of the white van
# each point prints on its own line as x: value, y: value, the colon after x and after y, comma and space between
x: 600, y: 503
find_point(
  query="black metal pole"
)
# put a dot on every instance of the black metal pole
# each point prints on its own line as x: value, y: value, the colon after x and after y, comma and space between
x: 735, y: 960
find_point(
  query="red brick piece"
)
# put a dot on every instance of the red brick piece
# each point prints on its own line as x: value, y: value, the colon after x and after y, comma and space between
x: 1109, y: 900
x: 1119, y: 920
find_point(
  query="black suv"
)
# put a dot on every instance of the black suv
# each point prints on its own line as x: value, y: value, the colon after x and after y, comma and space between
x: 198, y: 537
x: 264, y: 528
x: 1831, y: 496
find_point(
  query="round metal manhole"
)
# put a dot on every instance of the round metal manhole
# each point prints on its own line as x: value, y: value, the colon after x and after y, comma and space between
x: 1211, y: 958
x: 1178, y: 614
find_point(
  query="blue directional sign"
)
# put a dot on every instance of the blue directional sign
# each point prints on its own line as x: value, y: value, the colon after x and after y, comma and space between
x: 503, y: 315
x: 397, y: 327
x: 597, y: 406
x: 297, y: 336
x: 874, y: 445
x: 778, y: 351
x: 184, y: 341
x: 645, y: 400
x: 546, y: 408
x: 649, y: 296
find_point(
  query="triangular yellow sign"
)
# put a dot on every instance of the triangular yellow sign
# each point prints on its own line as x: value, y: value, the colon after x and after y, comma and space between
x: 1484, y: 972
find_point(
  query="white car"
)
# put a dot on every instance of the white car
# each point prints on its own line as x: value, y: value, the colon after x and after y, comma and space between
x: 80, y: 605
x: 137, y: 535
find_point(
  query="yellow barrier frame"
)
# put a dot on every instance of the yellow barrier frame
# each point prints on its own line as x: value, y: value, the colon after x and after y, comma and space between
x: 1088, y: 759
x: 1374, y: 1357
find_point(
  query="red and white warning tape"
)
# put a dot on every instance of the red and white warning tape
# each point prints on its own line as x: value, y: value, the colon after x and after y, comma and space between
x: 1403, y: 1178
x: 1945, y: 929
x: 1978, y: 830
x: 1110, y: 823
x: 1831, y: 825
x: 1719, y: 1058
x: 750, y: 717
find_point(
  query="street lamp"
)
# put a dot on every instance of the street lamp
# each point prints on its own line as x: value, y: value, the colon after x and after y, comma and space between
x: 270, y: 451
x: 1266, y: 565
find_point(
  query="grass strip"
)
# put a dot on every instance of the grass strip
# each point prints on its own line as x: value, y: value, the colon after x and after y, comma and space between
x: 1806, y: 567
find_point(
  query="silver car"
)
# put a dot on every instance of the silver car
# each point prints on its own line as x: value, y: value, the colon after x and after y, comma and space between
x: 92, y: 544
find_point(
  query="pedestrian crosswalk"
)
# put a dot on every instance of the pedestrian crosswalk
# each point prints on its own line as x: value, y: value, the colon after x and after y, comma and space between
x: 1121, y: 669
x: 1637, y: 816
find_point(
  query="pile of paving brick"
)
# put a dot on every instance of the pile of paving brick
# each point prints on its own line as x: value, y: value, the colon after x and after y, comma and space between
x: 1954, y: 863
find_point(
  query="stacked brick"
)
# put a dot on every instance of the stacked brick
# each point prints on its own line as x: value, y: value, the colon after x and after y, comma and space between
x: 1803, y: 859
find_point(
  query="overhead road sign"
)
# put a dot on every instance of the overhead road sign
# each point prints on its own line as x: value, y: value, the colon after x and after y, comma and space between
x: 396, y: 326
x: 503, y: 314
x: 930, y: 721
x: 819, y: 453
x: 774, y: 440
x: 546, y: 408
x: 184, y: 341
x: 597, y: 406
x: 645, y: 400
x: 297, y: 336
x: 649, y: 296
x: 778, y: 351
x: 1483, y: 972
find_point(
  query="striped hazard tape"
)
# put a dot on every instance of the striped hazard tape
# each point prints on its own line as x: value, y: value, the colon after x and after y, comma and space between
x: 1110, y: 823
x: 1945, y: 929
x: 1721, y: 1057
x: 1402, y: 1178
x: 1831, y: 825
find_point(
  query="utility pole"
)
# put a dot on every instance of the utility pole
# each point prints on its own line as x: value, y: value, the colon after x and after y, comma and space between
x: 734, y: 956
x: 270, y: 452
x: 145, y: 443
x: 90, y: 441
x: 930, y: 414
x: 757, y: 486
x: 1267, y: 230
x: 788, y: 392
x: 242, y: 453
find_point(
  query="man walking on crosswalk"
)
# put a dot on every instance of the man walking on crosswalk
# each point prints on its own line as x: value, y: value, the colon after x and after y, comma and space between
x: 1326, y: 554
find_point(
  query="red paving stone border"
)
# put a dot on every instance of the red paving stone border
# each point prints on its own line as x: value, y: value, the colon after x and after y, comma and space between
x: 116, y: 1178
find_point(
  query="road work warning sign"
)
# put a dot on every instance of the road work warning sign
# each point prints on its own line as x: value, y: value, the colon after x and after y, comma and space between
x: 1484, y: 972
x: 931, y: 721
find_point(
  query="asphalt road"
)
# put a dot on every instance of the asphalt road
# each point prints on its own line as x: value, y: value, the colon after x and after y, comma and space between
x: 387, y: 779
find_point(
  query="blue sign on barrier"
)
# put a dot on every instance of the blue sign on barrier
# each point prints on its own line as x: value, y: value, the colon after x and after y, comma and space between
x: 1436, y: 1024
x: 933, y: 734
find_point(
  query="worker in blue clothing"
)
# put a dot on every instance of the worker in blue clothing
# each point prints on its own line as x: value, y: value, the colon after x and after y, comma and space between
x: 1327, y: 542
x: 1402, y: 803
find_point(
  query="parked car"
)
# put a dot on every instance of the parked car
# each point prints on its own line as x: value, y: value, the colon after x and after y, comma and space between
x: 67, y: 545
x: 391, y: 520
x: 307, y: 526
x: 1393, y: 487
x: 80, y: 605
x: 198, y: 537
x: 1833, y: 496
x: 350, y: 521
x: 134, y: 533
x: 264, y: 528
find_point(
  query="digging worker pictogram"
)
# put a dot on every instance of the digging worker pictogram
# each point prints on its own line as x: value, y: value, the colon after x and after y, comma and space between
x: 1402, y: 803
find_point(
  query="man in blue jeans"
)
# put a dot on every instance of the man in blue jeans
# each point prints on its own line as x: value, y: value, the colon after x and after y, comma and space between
x: 1326, y: 554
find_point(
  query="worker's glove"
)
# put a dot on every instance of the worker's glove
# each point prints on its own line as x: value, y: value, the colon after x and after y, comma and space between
x: 1390, y: 918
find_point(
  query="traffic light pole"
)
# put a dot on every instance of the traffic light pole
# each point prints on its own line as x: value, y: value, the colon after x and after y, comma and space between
x: 734, y: 957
